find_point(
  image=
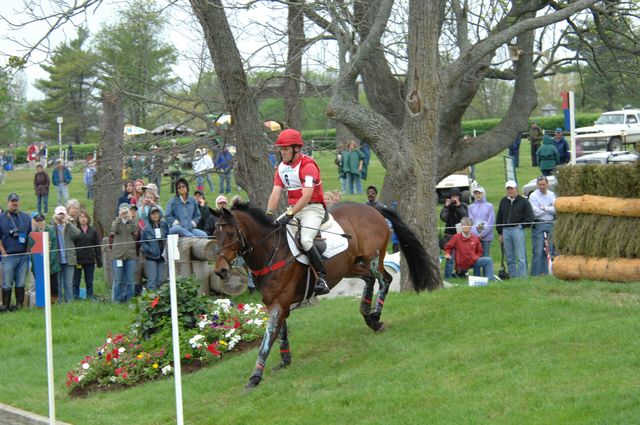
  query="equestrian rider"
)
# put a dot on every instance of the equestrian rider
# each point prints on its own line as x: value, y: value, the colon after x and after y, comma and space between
x: 300, y: 176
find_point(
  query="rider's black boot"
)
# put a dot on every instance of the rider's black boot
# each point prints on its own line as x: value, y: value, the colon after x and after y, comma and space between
x: 315, y: 259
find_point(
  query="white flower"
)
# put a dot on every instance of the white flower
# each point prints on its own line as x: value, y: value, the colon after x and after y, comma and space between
x: 195, y: 341
x: 80, y: 378
x: 121, y: 350
x: 108, y: 340
x: 85, y: 366
x: 257, y: 322
x: 231, y: 332
x: 113, y: 379
x: 234, y: 341
x: 166, y: 370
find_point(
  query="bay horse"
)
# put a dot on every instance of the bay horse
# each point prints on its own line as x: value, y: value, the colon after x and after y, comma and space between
x: 283, y: 282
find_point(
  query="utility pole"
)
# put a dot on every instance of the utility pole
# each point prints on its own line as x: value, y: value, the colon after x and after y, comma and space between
x: 59, y: 121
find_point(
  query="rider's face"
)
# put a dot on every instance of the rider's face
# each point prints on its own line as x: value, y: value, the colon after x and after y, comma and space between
x: 287, y: 153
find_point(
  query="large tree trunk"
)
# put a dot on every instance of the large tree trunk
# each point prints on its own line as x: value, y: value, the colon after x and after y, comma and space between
x: 107, y: 184
x: 253, y: 171
x: 293, y: 71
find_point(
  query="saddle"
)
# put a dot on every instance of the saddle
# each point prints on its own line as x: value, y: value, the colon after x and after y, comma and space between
x: 329, y: 240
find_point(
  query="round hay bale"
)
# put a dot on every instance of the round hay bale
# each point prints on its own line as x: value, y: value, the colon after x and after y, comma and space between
x: 204, y: 249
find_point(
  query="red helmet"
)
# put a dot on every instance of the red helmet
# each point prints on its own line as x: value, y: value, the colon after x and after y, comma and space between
x: 290, y: 137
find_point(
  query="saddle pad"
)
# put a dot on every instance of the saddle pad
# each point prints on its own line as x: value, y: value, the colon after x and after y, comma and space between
x: 332, y: 237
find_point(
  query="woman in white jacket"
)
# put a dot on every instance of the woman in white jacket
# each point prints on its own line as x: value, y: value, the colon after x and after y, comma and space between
x: 202, y: 167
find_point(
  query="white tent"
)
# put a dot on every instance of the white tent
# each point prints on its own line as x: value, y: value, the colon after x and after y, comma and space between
x: 132, y: 130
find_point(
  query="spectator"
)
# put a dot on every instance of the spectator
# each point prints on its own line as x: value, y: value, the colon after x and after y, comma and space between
x: 124, y: 255
x: 42, y: 154
x: 150, y: 199
x: 542, y: 202
x: 61, y: 178
x: 562, y: 145
x: 175, y: 171
x: 328, y: 199
x: 70, y: 155
x: 89, y: 256
x: 514, y: 214
x: 341, y: 174
x: 89, y: 175
x: 366, y: 150
x: 127, y: 196
x: 372, y: 194
x: 138, y: 191
x: 337, y: 196
x: 548, y: 156
x: 453, y: 211
x: 202, y: 167
x: 66, y: 234
x: 224, y: 165
x: 207, y: 222
x: 3, y: 168
x: 32, y: 154
x: 482, y: 214
x: 73, y: 210
x: 352, y: 162
x: 39, y: 225
x: 535, y: 136
x: 15, y: 227
x: 153, y: 242
x: 514, y: 150
x: 183, y: 212
x: 469, y: 252
x: 41, y: 184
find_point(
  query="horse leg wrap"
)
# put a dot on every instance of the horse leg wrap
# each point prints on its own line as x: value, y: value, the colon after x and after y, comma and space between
x: 265, y: 348
x: 384, y: 286
x: 285, y: 352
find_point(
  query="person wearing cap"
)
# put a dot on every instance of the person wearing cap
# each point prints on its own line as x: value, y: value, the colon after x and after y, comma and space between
x: 66, y: 234
x: 123, y: 254
x: 299, y: 175
x: 202, y: 167
x: 224, y: 165
x: 183, y: 213
x: 562, y: 145
x: 41, y: 185
x: 152, y: 245
x: 15, y: 227
x: 89, y: 255
x: 548, y: 156
x: 484, y: 219
x: 514, y: 214
x: 453, y: 211
x: 39, y: 225
x: 150, y: 199
x: 535, y: 136
x: 542, y: 202
x: 61, y: 178
x: 89, y: 175
x: 372, y: 194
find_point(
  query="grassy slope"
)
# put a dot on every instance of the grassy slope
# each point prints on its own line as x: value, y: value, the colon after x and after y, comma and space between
x: 537, y: 351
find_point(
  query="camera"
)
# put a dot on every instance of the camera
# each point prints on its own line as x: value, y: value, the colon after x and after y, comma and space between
x: 14, y: 233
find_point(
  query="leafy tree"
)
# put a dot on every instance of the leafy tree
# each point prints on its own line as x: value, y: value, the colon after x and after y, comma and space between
x: 133, y: 58
x: 68, y: 91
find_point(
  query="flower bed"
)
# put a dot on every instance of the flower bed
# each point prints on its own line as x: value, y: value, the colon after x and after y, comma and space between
x: 146, y: 351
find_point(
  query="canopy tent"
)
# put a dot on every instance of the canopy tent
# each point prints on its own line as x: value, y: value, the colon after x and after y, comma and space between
x: 132, y: 130
x: 272, y: 125
x: 171, y: 130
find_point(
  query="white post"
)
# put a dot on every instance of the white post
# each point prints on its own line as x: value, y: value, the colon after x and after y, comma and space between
x: 48, y: 333
x: 572, y: 124
x: 59, y: 121
x: 174, y: 254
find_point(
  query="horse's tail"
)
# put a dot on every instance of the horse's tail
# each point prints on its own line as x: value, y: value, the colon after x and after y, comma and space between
x: 423, y: 269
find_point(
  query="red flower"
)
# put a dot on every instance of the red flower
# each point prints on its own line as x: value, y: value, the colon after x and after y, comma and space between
x: 187, y: 356
x: 240, y: 306
x: 124, y: 375
x: 236, y: 325
x: 154, y: 303
x: 213, y: 350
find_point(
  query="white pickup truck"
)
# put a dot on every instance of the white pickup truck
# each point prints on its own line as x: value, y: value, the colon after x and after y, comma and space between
x: 612, y: 131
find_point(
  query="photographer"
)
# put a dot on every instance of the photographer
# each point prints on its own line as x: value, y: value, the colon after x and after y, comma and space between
x: 454, y: 210
x: 15, y: 227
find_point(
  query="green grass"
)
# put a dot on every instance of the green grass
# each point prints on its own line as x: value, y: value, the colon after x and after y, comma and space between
x: 535, y: 351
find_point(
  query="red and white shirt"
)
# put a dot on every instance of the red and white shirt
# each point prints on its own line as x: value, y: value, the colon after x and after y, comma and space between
x: 304, y: 172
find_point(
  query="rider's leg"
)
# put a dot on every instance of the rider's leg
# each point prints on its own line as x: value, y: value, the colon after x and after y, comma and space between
x: 310, y: 219
x: 315, y: 259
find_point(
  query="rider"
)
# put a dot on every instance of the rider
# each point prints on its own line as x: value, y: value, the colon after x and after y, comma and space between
x: 300, y: 176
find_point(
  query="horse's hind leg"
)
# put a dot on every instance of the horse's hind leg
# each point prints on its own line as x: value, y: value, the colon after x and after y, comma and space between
x: 285, y: 352
x: 275, y: 315
x: 384, y: 281
x: 365, y: 301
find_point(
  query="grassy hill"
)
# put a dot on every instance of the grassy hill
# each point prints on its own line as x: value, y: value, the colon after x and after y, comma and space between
x: 535, y: 351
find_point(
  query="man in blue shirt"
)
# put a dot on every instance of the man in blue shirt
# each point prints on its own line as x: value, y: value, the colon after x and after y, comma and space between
x: 562, y: 145
x: 15, y: 227
x: 60, y: 178
x: 224, y: 165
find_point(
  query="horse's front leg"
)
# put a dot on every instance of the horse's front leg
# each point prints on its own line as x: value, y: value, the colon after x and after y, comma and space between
x: 285, y: 351
x: 275, y: 316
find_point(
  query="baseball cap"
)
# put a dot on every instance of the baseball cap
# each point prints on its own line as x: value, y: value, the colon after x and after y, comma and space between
x: 123, y: 205
x: 151, y: 186
x: 221, y: 198
x: 198, y: 192
x: 510, y: 183
x: 479, y: 189
x: 133, y: 207
x: 559, y: 130
x: 37, y: 216
x: 13, y: 197
x: 154, y: 209
x: 60, y: 210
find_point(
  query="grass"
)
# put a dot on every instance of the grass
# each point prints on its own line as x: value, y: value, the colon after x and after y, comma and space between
x: 534, y: 351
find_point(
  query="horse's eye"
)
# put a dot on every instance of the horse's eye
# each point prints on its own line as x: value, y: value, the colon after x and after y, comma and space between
x: 230, y: 234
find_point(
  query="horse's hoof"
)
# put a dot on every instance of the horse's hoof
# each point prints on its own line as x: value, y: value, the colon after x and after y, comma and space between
x: 253, y: 382
x: 378, y: 327
x: 281, y: 366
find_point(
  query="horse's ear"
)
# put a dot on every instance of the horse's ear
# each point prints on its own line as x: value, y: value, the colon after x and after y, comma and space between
x: 224, y: 212
x: 214, y: 212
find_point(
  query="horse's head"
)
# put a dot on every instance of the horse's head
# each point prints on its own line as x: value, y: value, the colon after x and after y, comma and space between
x: 230, y: 242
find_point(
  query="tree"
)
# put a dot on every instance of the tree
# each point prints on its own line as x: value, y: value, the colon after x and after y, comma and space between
x: 12, y: 104
x: 68, y: 91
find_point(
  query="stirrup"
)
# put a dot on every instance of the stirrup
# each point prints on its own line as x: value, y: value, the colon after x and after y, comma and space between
x: 321, y: 287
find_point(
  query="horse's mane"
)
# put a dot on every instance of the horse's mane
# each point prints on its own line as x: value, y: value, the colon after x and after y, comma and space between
x: 256, y: 213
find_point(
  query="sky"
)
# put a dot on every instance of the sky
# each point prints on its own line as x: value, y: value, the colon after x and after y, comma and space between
x: 182, y: 35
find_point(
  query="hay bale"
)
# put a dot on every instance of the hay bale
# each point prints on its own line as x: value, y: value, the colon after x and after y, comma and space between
x: 183, y: 266
x: 615, y: 180
x: 602, y: 205
x: 581, y: 267
x: 204, y: 249
x: 201, y: 270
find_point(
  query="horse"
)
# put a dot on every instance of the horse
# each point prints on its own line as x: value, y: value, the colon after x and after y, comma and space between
x: 283, y: 282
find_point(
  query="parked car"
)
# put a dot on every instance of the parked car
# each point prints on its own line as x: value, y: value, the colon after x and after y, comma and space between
x: 611, y: 131
x: 621, y: 157
x: 460, y: 179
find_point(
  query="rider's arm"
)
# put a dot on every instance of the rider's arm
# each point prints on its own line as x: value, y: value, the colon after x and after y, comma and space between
x: 274, y: 198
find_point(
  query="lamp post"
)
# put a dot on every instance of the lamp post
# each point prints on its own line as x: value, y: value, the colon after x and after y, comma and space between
x: 59, y: 121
